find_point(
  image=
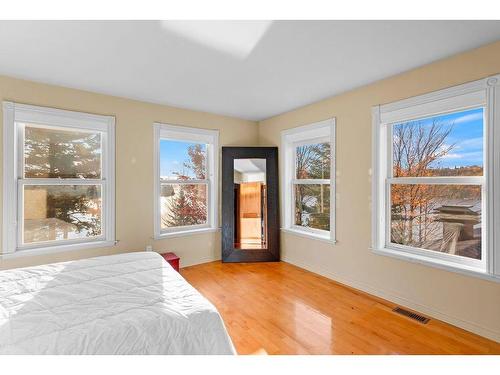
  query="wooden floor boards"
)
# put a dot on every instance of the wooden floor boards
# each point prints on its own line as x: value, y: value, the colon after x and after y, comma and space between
x: 277, y: 308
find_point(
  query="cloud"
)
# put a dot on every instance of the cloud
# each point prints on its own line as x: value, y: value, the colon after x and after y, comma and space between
x: 476, y: 155
x: 472, y: 143
x: 469, y: 118
x: 443, y: 147
x: 470, y: 157
x: 453, y: 156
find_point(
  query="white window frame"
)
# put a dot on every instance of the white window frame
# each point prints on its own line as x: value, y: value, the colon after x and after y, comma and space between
x: 319, y: 132
x: 484, y: 93
x: 195, y: 135
x: 14, y: 114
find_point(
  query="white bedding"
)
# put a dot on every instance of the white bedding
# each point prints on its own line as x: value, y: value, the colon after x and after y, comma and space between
x: 132, y: 303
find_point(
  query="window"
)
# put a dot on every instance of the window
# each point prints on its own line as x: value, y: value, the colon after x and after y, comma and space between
x: 433, y: 185
x: 186, y: 175
x: 58, y: 179
x: 308, y: 180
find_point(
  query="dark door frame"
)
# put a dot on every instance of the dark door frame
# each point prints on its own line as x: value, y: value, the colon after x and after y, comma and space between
x: 229, y: 253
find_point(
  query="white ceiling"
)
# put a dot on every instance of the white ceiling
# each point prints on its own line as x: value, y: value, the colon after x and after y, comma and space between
x: 248, y: 69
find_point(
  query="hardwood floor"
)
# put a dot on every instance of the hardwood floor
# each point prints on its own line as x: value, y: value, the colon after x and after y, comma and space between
x: 277, y: 308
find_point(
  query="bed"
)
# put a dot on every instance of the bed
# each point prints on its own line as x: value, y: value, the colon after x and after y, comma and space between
x: 133, y: 303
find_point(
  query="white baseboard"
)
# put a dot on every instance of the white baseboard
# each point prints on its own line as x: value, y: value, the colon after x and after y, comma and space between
x: 194, y: 262
x: 400, y: 300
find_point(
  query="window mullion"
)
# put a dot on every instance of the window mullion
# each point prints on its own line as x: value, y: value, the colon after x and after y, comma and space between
x: 460, y: 180
x: 60, y: 181
x: 184, y: 182
x: 311, y: 182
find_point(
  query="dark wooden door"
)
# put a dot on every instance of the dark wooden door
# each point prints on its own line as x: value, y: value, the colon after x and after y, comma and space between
x: 270, y: 249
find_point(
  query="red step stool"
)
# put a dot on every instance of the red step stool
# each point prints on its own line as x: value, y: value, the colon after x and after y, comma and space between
x: 172, y: 259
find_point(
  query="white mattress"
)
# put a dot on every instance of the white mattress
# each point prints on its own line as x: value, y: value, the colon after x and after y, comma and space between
x: 132, y: 303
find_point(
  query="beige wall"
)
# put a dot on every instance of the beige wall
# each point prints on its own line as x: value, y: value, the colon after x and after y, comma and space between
x: 134, y: 165
x: 462, y: 300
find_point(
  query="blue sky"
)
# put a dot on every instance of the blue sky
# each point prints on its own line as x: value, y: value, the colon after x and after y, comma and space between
x: 172, y: 156
x: 467, y: 135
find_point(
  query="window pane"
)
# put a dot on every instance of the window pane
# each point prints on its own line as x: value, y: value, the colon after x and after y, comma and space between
x: 445, y: 145
x: 182, y: 160
x: 312, y: 206
x: 444, y: 218
x: 55, y: 153
x: 61, y: 212
x: 183, y: 204
x: 313, y: 161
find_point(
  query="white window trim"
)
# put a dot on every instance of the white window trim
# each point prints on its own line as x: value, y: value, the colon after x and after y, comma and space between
x: 188, y: 134
x: 307, y: 134
x: 12, y: 160
x: 482, y: 93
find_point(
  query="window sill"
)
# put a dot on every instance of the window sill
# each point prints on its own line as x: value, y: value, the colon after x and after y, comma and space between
x: 313, y: 236
x: 183, y: 233
x: 437, y: 263
x: 58, y: 249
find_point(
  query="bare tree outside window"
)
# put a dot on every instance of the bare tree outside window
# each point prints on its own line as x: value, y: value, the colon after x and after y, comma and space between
x: 312, y: 200
x: 185, y: 204
x: 445, y: 218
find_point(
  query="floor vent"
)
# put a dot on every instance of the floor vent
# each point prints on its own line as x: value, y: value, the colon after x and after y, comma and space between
x: 411, y: 315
